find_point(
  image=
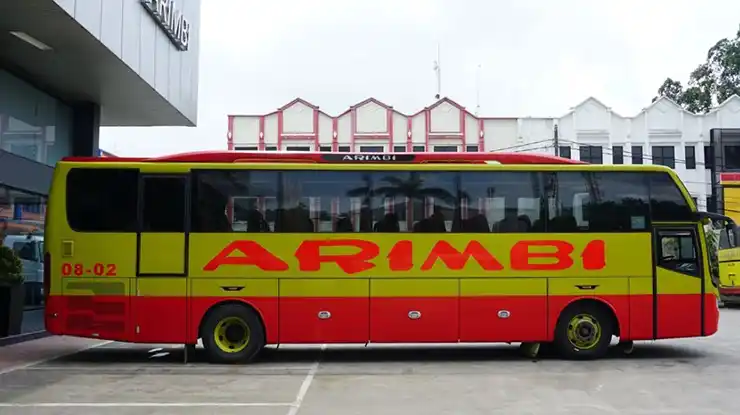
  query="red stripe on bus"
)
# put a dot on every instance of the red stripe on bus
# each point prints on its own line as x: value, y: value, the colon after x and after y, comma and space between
x: 359, y: 320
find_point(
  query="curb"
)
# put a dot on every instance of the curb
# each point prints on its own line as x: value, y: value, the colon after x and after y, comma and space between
x: 20, y: 338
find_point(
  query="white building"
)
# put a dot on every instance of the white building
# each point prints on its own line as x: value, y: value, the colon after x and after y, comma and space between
x: 662, y: 133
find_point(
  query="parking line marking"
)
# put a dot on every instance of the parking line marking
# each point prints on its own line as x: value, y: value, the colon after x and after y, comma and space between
x: 150, y: 366
x: 54, y: 357
x: 306, y: 383
x: 140, y: 404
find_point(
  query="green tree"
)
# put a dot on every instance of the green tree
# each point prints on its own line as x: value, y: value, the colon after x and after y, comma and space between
x: 711, y: 82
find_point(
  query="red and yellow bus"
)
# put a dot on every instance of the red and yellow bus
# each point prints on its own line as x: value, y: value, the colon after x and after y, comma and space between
x: 729, y: 256
x: 242, y: 250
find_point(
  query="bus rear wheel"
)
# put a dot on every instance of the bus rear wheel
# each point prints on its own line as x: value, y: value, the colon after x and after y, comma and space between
x: 584, y: 332
x: 232, y: 333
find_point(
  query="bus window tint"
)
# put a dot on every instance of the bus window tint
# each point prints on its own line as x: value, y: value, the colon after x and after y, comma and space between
x: 247, y: 197
x: 597, y: 202
x: 667, y: 202
x: 500, y: 202
x: 163, y: 204
x: 324, y: 201
x: 102, y: 200
x: 418, y: 201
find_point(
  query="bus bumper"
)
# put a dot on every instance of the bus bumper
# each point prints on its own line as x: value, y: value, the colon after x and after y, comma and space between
x: 729, y: 295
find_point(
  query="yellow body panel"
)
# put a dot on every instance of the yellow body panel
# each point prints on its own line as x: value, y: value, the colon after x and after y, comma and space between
x: 729, y: 274
x: 729, y: 268
x: 161, y: 286
x: 589, y: 286
x: 88, y: 254
x: 324, y: 288
x: 162, y: 253
x: 230, y: 287
x: 626, y: 255
x: 671, y: 282
x: 641, y: 285
x: 503, y: 287
x: 95, y: 286
x: 732, y: 202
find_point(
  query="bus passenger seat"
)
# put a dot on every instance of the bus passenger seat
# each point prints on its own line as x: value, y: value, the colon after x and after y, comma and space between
x: 256, y: 222
x: 343, y: 224
x: 389, y: 223
x: 563, y: 224
x: 477, y: 224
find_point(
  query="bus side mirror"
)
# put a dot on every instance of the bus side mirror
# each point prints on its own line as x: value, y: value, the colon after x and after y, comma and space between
x: 732, y: 236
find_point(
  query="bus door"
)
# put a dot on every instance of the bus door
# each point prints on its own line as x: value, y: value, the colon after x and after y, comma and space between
x: 678, y: 286
x: 160, y: 302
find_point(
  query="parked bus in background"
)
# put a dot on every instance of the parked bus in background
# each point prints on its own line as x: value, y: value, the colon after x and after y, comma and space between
x: 729, y: 270
x: 729, y: 256
x: 242, y: 250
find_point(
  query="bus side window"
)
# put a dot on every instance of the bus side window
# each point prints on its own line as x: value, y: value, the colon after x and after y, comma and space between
x: 164, y: 204
x: 678, y: 252
x: 102, y: 200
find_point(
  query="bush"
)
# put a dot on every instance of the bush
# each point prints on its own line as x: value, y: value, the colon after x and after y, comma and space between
x: 11, y: 268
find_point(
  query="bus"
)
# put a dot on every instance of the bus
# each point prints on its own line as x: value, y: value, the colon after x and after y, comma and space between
x: 238, y: 250
x: 729, y: 256
x: 729, y: 281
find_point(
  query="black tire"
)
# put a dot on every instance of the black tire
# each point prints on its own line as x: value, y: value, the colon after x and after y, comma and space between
x: 592, y: 315
x: 234, y: 315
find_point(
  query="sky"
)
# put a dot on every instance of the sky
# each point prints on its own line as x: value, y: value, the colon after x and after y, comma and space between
x: 536, y: 57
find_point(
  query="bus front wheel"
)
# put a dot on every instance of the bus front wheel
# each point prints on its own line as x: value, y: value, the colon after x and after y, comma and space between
x: 584, y: 331
x: 232, y: 333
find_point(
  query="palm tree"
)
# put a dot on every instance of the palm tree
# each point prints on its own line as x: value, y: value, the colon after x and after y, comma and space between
x: 413, y: 188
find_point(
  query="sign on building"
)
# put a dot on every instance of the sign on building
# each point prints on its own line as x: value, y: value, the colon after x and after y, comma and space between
x: 170, y: 19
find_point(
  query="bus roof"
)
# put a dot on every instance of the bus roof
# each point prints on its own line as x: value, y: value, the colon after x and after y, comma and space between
x: 316, y: 157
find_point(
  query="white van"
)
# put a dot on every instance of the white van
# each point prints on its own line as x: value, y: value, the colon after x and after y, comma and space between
x: 30, y: 249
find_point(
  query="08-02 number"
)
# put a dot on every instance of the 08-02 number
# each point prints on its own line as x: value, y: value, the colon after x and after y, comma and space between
x: 97, y: 269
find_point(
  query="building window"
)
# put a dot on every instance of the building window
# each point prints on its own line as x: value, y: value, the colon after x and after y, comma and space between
x: 372, y: 149
x: 592, y: 154
x: 245, y: 148
x: 618, y: 155
x: 325, y: 149
x: 636, y: 154
x: 690, y: 157
x: 564, y: 151
x: 33, y: 124
x: 23, y: 214
x: 298, y: 148
x: 271, y: 148
x: 708, y: 157
x: 664, y: 156
x: 471, y: 149
x: 343, y: 149
x: 732, y: 158
x: 418, y: 149
x: 399, y: 149
x: 445, y: 149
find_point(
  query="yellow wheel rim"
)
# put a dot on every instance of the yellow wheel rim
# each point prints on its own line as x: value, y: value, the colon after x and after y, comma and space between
x: 584, y: 331
x: 231, y: 334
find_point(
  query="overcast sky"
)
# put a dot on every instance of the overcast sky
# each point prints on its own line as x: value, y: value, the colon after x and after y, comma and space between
x: 537, y: 57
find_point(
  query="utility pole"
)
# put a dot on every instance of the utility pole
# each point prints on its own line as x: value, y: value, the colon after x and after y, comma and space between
x: 438, y: 71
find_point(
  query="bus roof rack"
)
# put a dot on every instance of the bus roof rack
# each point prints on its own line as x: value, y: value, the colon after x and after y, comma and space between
x: 344, y: 158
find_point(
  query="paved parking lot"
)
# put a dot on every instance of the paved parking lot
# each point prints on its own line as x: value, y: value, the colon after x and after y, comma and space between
x: 697, y: 376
